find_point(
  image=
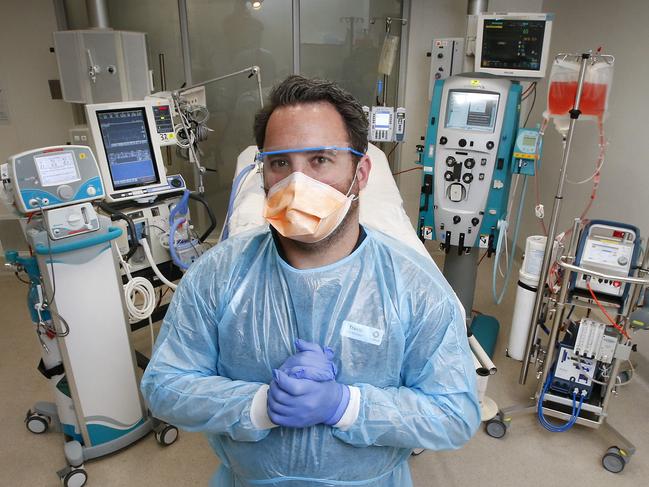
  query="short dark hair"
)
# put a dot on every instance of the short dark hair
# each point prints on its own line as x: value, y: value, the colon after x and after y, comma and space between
x: 296, y: 90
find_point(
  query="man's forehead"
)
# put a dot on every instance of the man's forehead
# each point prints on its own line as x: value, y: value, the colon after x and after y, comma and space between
x: 304, y: 125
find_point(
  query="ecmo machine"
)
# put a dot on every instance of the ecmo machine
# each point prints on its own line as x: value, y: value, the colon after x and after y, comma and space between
x: 77, y: 305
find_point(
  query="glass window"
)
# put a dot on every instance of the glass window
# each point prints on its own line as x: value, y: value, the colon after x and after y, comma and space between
x: 227, y: 36
x: 342, y: 40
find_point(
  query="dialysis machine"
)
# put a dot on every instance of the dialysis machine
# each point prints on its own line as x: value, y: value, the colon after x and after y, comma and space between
x: 77, y: 304
x: 468, y: 168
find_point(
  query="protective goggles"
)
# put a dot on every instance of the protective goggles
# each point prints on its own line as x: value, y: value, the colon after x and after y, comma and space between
x: 329, y: 164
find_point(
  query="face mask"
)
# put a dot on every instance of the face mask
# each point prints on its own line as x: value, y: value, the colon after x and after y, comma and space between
x: 304, y: 209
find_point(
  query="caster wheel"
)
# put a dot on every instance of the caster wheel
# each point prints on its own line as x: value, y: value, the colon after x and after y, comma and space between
x: 614, y: 460
x: 417, y: 451
x: 75, y: 478
x: 496, y: 428
x: 37, y: 423
x: 167, y: 435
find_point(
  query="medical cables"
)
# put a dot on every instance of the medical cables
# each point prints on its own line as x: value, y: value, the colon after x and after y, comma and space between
x: 502, y: 240
x: 576, y: 409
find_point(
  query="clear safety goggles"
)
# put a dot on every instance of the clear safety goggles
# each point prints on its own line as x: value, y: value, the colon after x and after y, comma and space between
x: 330, y: 164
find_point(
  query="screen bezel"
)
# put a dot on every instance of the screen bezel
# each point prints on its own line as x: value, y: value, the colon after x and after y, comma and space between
x: 124, y: 194
x: 143, y: 111
x: 514, y: 73
x: 473, y: 128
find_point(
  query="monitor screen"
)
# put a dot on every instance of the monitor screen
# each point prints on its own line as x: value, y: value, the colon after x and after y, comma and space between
x: 512, y: 44
x: 471, y: 110
x: 57, y: 168
x: 382, y: 120
x: 128, y: 147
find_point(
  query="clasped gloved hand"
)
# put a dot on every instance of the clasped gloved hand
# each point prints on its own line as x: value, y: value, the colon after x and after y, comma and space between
x: 299, y: 403
x: 304, y: 391
x: 311, y: 361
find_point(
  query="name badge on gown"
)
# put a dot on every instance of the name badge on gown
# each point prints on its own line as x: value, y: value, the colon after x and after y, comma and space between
x: 363, y: 333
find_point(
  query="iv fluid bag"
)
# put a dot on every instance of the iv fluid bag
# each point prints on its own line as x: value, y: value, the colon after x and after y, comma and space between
x: 562, y: 88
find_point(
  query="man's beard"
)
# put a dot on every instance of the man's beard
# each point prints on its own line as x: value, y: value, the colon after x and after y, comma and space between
x: 335, y: 236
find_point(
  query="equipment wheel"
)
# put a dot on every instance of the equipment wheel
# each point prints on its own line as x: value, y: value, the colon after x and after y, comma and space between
x: 496, y: 428
x: 36, y: 423
x: 76, y: 477
x: 167, y: 435
x: 614, y: 460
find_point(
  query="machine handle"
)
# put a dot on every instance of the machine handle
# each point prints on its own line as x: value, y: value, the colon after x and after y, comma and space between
x: 582, y: 270
x: 112, y: 234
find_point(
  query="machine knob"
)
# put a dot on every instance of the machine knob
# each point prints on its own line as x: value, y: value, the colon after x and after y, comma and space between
x: 490, y: 145
x: 462, y: 142
x: 74, y: 220
x: 65, y: 192
x: 33, y: 202
x: 449, y: 176
x: 450, y: 161
x: 443, y: 140
x: 440, y: 55
x: 467, y: 178
x: 92, y: 191
x: 175, y: 182
x: 469, y: 163
x: 475, y: 221
x: 456, y: 219
x: 622, y: 260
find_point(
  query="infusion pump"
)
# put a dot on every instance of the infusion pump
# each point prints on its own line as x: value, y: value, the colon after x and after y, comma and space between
x: 386, y: 124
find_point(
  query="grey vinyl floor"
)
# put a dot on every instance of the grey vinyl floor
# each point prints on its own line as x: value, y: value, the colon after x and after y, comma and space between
x: 527, y: 456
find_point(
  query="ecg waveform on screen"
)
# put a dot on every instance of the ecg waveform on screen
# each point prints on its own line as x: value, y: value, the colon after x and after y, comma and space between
x: 124, y: 157
x: 124, y: 134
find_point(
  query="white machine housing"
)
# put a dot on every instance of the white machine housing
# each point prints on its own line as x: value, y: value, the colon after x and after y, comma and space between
x: 102, y: 65
x: 152, y: 222
x: 523, y: 42
x: 446, y: 59
x: 466, y: 155
x: 160, y: 182
x: 86, y: 299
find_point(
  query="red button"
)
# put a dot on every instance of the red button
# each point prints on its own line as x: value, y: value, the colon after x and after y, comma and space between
x: 617, y: 283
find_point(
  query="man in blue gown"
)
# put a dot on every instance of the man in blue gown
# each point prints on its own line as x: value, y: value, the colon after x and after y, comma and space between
x: 315, y: 351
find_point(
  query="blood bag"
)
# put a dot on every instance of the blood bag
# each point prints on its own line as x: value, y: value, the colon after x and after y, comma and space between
x: 562, y: 88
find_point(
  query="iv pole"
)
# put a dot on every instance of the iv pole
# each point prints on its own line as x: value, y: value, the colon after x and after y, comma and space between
x: 552, y: 230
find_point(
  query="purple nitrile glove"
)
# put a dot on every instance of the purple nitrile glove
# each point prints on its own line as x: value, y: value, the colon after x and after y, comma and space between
x: 311, y: 361
x: 300, y: 403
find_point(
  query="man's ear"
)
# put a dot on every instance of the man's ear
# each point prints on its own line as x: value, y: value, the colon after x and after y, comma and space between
x: 363, y: 171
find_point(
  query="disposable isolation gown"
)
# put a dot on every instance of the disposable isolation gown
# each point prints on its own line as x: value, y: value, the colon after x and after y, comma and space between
x: 392, y: 321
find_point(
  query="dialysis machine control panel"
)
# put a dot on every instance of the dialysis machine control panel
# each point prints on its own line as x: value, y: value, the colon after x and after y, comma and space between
x: 53, y: 177
x: 609, y: 248
x: 467, y: 161
x: 386, y: 124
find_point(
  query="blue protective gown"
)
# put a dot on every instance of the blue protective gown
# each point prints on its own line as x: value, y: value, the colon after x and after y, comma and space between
x: 235, y: 317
